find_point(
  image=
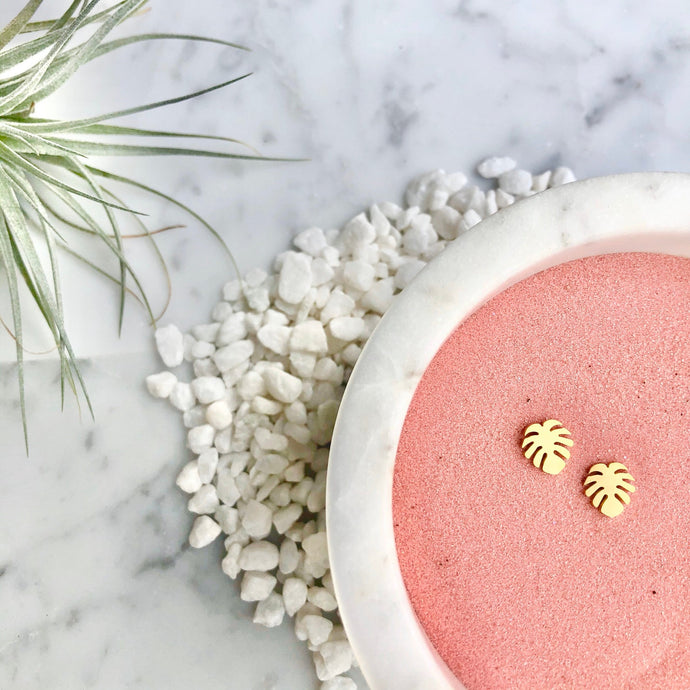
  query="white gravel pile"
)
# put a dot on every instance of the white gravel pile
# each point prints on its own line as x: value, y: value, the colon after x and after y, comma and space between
x: 270, y: 369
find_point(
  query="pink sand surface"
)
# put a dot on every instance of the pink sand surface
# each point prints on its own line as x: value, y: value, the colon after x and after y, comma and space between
x: 517, y: 580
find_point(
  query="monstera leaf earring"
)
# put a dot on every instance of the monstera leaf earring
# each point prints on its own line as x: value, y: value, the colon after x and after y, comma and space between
x: 609, y: 487
x: 546, y: 445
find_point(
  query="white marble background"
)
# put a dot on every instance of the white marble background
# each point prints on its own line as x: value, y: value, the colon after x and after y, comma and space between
x: 97, y: 586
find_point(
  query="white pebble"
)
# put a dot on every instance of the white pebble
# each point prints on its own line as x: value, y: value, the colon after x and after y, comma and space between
x: 286, y: 517
x: 170, y: 345
x: 228, y: 518
x: 204, y: 531
x: 161, y: 385
x: 259, y: 555
x: 495, y: 166
x: 199, y: 438
x: 332, y: 659
x: 232, y: 355
x: 503, y: 199
x: 208, y: 389
x: 230, y: 565
x: 202, y: 349
x: 380, y: 296
x: 256, y: 586
x: 182, y: 396
x: 316, y: 547
x: 288, y: 557
x: 207, y: 462
x: 358, y: 275
x: 227, y: 488
x: 309, y: 336
x: 321, y: 597
x: 541, y: 182
x: 516, y: 182
x: 561, y: 176
x: 219, y: 414
x: 471, y: 218
x: 204, y: 501
x: 313, y: 628
x: 282, y: 386
x: 295, y: 277
x: 311, y: 241
x: 275, y: 338
x: 270, y: 612
x: 188, y: 479
x: 338, y: 304
x: 257, y: 520
x: 294, y: 595
x: 232, y: 290
x: 346, y: 327
x: 234, y: 328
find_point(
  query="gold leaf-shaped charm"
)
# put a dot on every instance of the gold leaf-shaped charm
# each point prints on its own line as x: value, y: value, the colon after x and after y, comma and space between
x: 609, y: 487
x: 546, y: 445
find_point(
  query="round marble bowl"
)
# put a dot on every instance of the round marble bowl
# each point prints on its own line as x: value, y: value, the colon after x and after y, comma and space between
x: 645, y: 212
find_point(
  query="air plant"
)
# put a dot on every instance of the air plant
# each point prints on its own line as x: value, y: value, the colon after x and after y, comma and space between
x: 48, y: 180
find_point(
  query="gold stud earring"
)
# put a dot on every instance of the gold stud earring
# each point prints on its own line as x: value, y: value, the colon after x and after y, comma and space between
x: 609, y: 487
x: 546, y: 445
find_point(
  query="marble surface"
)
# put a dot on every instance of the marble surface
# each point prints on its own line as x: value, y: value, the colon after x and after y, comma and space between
x: 641, y: 212
x: 97, y: 587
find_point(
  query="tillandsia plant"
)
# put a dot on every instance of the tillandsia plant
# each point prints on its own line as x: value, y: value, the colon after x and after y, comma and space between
x: 48, y: 181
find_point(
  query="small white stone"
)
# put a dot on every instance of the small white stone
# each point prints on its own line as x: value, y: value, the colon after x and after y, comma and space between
x: 298, y: 432
x: 357, y: 232
x: 271, y: 463
x: 358, y: 275
x: 295, y: 277
x: 268, y: 440
x: 316, y: 547
x: 232, y: 290
x: 515, y: 182
x: 561, y: 176
x: 199, y: 438
x: 321, y: 273
x: 230, y: 565
x: 380, y: 296
x: 321, y: 597
x: 541, y: 182
x: 275, y: 338
x: 445, y: 221
x: 221, y: 311
x: 270, y: 612
x: 294, y: 595
x: 282, y: 386
x: 188, y: 479
x: 280, y: 494
x: 495, y: 166
x: 257, y: 520
x: 232, y: 355
x: 309, y: 336
x: 207, y: 462
x: 204, y: 501
x: 205, y: 367
x: 503, y: 199
x: 302, y: 364
x: 288, y: 557
x: 182, y: 396
x: 201, y: 349
x: 467, y: 198
x: 259, y: 555
x: 228, y: 518
x: 286, y: 517
x: 161, y: 385
x: 311, y: 241
x: 266, y: 406
x: 346, y: 327
x: 332, y: 659
x: 256, y: 586
x: 232, y: 329
x: 338, y: 304
x: 296, y: 412
x: 339, y: 683
x: 204, y: 531
x: 470, y: 219
x: 227, y: 488
x: 219, y: 414
x: 208, y: 389
x: 316, y: 628
x: 170, y: 345
x: 491, y: 205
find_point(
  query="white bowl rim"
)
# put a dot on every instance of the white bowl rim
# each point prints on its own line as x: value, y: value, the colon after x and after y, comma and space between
x: 648, y: 212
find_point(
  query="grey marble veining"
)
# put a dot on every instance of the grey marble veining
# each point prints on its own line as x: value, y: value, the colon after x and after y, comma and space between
x: 96, y: 586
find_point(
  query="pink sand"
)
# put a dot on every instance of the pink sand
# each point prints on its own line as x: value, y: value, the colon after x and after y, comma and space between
x: 518, y: 581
